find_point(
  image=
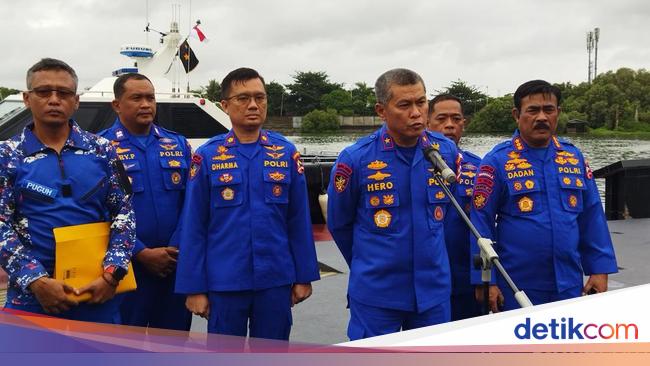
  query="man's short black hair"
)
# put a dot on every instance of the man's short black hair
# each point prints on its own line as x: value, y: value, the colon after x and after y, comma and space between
x: 47, y: 64
x: 118, y: 85
x: 441, y: 98
x: 239, y: 75
x: 536, y: 87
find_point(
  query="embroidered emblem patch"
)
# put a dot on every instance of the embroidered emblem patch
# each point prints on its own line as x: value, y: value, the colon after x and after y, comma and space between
x: 573, y: 201
x: 342, y: 177
x: 517, y: 186
x: 382, y: 218
x: 298, y: 160
x: 377, y: 165
x: 174, y: 164
x: 227, y: 194
x: 176, y: 177
x: 276, y: 176
x: 438, y: 213
x: 379, y: 176
x: 440, y: 195
x: 226, y: 178
x: 525, y: 204
x: 277, y: 190
x: 168, y: 147
x: 529, y: 184
x: 479, y: 200
x: 579, y: 182
x: 388, y: 199
x: 566, y: 180
x: 374, y: 201
x: 196, y: 165
x: 222, y: 150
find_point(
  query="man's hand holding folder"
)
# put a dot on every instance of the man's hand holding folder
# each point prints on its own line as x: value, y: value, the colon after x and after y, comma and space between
x: 53, y: 295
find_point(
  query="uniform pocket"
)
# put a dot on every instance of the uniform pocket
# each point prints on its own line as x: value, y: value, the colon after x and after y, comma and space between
x: 96, y: 188
x: 227, y: 189
x: 571, y: 192
x: 174, y: 173
x: 134, y: 171
x: 276, y: 185
x: 524, y: 196
x: 437, y: 208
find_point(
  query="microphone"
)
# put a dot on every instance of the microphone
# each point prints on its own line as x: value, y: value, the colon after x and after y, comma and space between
x: 439, y: 164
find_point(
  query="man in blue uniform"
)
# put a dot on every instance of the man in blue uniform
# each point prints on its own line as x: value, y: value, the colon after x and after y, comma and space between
x: 52, y: 175
x: 386, y: 213
x: 157, y: 162
x: 446, y: 116
x: 539, y: 190
x: 247, y: 254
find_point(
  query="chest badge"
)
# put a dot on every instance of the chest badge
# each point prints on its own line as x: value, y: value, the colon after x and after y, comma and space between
x: 228, y: 194
x: 438, y: 213
x: 226, y: 178
x: 277, y: 190
x: 382, y: 218
x: 176, y: 177
x: 525, y: 204
x: 374, y: 201
x: 573, y: 201
x: 222, y: 150
x: 174, y: 164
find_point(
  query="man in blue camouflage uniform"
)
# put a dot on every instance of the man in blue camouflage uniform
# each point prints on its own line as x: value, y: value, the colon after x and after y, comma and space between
x: 446, y: 116
x: 247, y: 253
x: 539, y: 190
x: 52, y: 175
x: 386, y: 212
x: 157, y: 162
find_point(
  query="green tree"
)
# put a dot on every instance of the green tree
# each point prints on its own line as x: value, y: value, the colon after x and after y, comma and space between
x: 211, y: 92
x: 472, y: 98
x: 320, y: 121
x: 306, y: 91
x: 339, y: 100
x: 363, y: 99
x: 277, y: 98
x: 5, y: 92
x: 496, y: 116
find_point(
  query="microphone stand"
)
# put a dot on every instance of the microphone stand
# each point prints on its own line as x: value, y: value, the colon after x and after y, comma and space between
x: 488, y: 256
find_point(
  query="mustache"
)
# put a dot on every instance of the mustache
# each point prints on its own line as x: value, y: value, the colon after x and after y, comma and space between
x: 541, y: 126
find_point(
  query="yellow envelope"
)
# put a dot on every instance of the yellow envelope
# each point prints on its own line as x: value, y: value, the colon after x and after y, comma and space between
x: 80, y: 252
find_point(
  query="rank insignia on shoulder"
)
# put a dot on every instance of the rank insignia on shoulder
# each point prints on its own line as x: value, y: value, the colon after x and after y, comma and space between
x: 228, y: 194
x: 176, y: 177
x: 438, y: 213
x: 277, y: 190
x: 374, y: 201
x: 196, y: 165
x: 382, y: 218
x: 525, y: 204
x: 379, y: 176
x: 377, y: 165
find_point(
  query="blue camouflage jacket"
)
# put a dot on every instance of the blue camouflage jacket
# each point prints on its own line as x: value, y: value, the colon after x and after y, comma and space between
x: 158, y: 173
x: 386, y: 215
x: 41, y: 189
x: 544, y: 214
x: 456, y: 230
x: 246, y: 218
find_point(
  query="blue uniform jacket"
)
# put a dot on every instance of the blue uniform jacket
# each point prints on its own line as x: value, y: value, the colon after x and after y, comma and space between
x: 247, y: 223
x: 386, y: 215
x: 41, y: 190
x: 456, y: 230
x: 550, y: 225
x: 158, y: 173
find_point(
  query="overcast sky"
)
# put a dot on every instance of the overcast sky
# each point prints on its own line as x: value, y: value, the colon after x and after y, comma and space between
x: 492, y: 44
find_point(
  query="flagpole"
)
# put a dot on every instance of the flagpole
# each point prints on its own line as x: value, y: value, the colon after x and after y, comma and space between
x: 188, y: 46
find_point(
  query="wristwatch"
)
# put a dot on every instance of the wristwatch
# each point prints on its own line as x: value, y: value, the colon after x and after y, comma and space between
x: 117, y: 272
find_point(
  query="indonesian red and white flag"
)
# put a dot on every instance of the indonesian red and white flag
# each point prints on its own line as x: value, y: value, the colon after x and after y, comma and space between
x: 197, y: 33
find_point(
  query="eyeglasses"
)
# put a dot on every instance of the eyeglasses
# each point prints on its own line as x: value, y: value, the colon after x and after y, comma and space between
x: 245, y: 99
x: 47, y: 92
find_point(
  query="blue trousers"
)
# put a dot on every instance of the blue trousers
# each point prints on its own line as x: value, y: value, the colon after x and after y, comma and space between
x: 370, y: 321
x: 538, y: 297
x: 154, y: 303
x: 107, y: 312
x: 261, y: 314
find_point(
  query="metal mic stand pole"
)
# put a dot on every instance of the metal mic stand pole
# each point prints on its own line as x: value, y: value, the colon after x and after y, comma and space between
x: 488, y: 255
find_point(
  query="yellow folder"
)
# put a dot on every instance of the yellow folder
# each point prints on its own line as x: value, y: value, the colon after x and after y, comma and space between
x: 80, y: 252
